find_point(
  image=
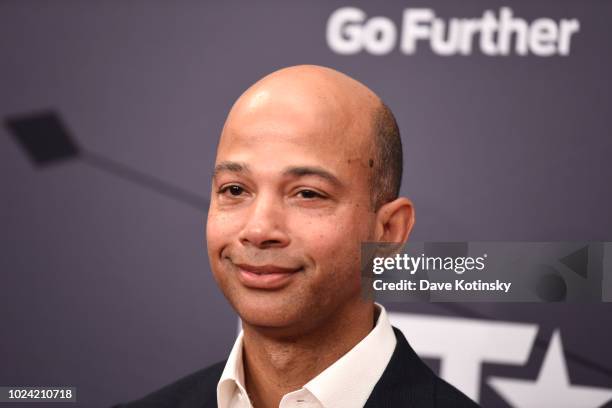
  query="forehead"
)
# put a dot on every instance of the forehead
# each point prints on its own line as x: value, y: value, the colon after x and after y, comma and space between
x: 284, y: 127
x: 290, y: 131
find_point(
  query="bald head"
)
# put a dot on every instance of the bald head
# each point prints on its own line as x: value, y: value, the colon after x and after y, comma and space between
x: 340, y: 113
x: 305, y: 156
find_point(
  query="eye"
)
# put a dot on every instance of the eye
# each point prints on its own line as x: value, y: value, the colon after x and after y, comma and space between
x: 232, y: 189
x: 309, y: 194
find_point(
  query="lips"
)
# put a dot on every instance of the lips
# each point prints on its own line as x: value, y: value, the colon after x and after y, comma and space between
x: 265, y: 276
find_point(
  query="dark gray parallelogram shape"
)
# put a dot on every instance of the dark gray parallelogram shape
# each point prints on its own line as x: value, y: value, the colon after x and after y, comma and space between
x: 44, y: 137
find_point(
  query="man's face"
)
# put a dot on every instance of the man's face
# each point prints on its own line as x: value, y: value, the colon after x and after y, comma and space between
x: 290, y: 206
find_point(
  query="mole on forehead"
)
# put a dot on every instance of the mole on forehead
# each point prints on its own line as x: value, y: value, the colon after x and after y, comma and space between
x: 364, y: 160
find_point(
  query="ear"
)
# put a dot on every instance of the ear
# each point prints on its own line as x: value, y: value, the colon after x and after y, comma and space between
x: 394, y: 221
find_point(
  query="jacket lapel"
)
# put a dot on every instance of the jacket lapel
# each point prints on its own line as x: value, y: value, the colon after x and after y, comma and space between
x: 406, y: 382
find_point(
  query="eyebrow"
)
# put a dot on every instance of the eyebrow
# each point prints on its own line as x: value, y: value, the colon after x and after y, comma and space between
x: 230, y: 166
x: 295, y: 171
x: 301, y: 171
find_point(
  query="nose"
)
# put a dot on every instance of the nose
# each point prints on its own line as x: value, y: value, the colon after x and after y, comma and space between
x: 265, y: 227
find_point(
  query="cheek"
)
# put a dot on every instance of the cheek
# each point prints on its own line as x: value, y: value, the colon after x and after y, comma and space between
x: 219, y: 228
x: 335, y: 242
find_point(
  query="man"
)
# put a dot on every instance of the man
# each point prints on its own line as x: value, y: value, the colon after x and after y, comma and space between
x: 308, y: 167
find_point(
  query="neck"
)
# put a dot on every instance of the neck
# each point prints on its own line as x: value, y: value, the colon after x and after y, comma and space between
x: 276, y: 364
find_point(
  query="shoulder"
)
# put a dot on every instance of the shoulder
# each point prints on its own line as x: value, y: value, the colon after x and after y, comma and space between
x: 408, y: 381
x: 448, y: 396
x: 195, y: 390
x: 429, y: 388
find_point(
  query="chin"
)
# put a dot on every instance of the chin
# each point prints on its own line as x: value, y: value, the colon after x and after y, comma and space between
x: 269, y: 310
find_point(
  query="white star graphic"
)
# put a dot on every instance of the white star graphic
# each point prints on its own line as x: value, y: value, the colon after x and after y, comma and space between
x: 552, y: 387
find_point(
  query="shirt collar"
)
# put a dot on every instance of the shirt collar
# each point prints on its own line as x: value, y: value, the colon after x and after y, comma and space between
x: 232, y: 378
x: 337, y: 386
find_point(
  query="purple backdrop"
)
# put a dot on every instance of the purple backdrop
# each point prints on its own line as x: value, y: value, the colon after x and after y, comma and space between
x: 105, y: 284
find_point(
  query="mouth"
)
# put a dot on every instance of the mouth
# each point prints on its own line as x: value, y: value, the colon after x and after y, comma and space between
x: 266, y: 276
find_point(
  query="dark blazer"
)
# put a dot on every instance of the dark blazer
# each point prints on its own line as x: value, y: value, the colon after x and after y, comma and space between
x: 406, y: 383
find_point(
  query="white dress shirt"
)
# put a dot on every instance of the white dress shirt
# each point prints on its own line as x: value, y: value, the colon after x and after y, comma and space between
x: 347, y: 383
